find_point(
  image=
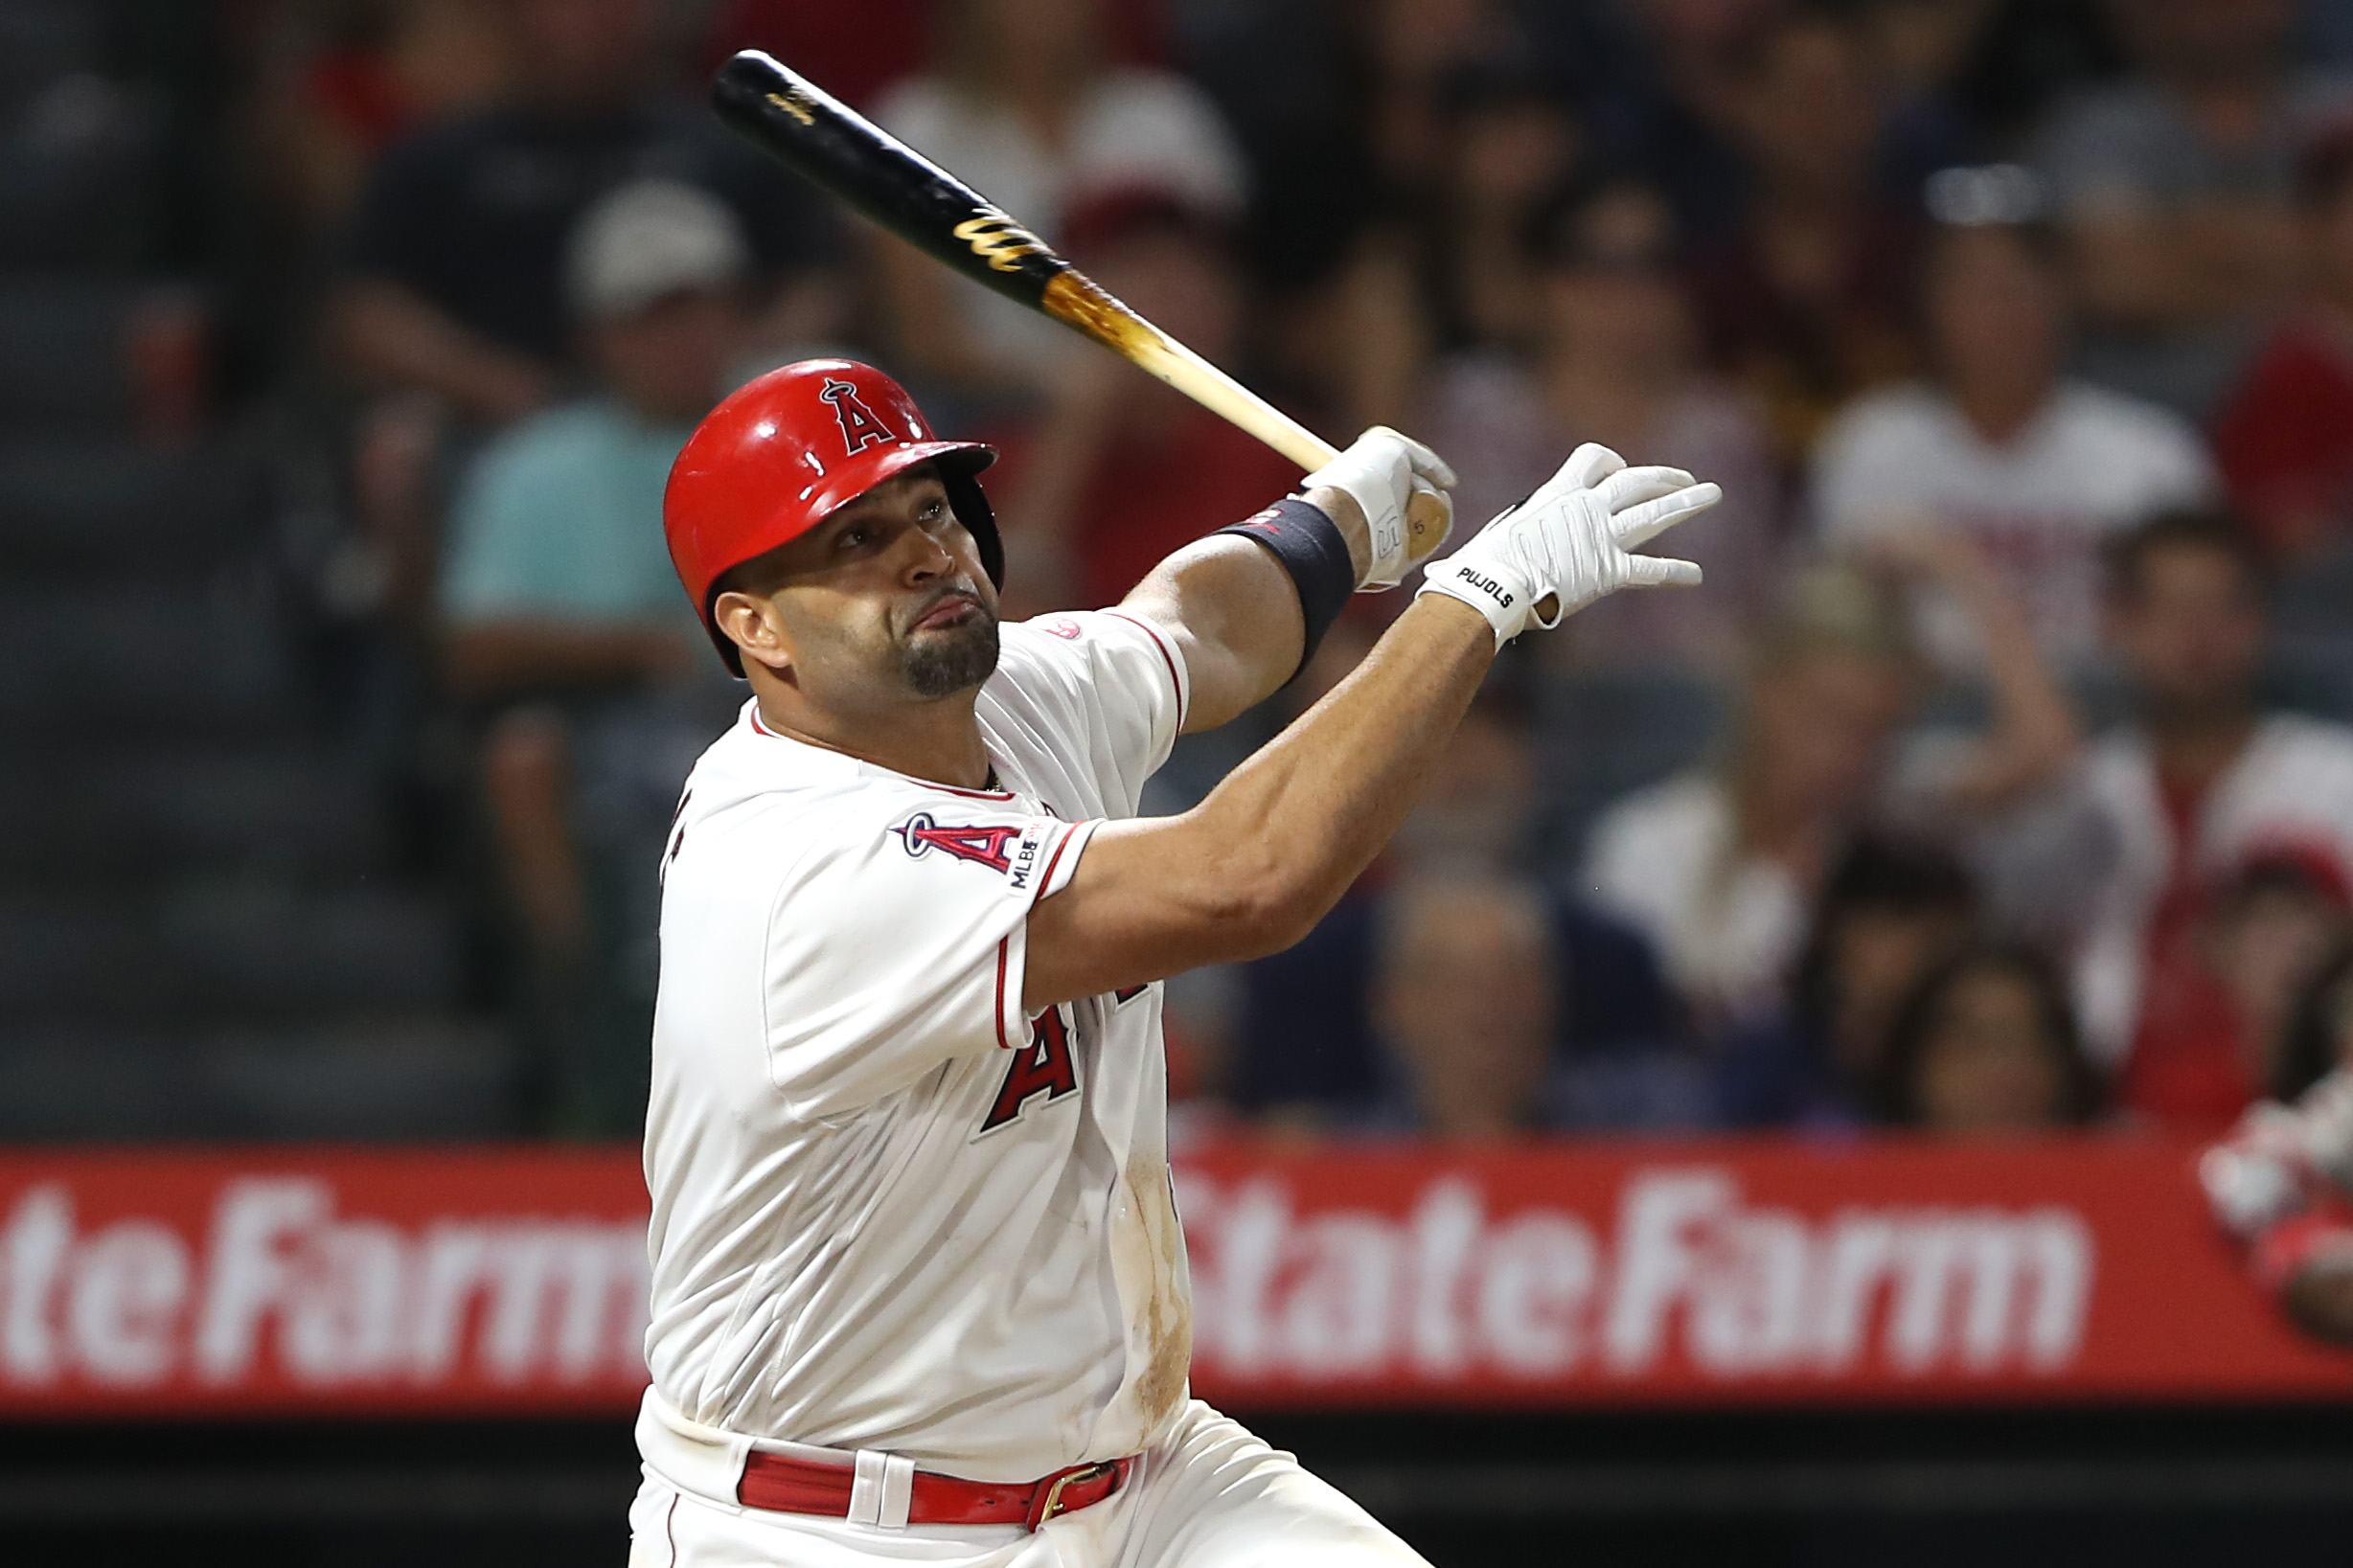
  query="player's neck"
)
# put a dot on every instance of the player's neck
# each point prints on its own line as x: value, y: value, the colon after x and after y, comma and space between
x: 939, y: 742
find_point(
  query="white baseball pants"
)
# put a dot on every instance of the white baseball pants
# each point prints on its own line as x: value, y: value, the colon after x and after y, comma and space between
x: 1209, y: 1496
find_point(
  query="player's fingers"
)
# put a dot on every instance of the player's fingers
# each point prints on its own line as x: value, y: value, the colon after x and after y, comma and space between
x: 1588, y: 466
x: 1639, y: 525
x: 1428, y: 465
x: 1661, y: 572
x: 1418, y: 456
x: 1629, y: 486
x: 1436, y: 499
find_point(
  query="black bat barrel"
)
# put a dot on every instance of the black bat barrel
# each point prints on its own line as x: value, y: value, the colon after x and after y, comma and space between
x: 826, y: 142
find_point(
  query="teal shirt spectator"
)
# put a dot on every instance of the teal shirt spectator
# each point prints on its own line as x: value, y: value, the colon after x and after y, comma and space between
x: 561, y: 519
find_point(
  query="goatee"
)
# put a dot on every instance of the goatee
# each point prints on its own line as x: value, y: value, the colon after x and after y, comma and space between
x: 953, y: 659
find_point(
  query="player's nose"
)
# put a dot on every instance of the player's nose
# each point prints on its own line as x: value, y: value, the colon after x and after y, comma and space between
x: 923, y: 555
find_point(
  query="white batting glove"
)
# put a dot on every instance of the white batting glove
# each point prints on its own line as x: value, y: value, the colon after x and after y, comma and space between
x: 1572, y: 541
x: 1380, y: 472
x: 2260, y: 1174
x: 2279, y: 1159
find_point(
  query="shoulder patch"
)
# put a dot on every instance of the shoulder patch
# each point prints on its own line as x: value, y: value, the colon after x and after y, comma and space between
x: 983, y: 844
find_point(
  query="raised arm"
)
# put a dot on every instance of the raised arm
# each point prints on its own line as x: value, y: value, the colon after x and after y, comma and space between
x: 1253, y: 867
x: 2034, y: 734
x: 1240, y: 614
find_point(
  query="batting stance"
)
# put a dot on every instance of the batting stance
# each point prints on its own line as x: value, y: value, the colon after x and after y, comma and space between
x: 919, y: 1289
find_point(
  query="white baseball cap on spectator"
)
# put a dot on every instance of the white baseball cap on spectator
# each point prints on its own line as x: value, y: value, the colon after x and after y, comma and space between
x: 649, y: 238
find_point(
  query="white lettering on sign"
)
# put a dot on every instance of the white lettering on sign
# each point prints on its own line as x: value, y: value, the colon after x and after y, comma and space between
x: 1689, y: 1272
x: 279, y: 1280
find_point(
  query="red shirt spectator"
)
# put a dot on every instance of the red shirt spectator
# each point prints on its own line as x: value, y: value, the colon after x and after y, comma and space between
x: 2285, y: 438
x: 2189, y: 803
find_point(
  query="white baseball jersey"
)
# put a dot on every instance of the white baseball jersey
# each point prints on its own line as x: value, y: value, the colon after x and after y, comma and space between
x: 891, y: 1210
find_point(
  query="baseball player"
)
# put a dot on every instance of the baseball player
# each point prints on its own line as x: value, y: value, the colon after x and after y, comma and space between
x: 2283, y: 1184
x: 919, y: 1288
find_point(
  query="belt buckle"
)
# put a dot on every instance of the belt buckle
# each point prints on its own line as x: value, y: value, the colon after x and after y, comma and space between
x: 1052, y: 1504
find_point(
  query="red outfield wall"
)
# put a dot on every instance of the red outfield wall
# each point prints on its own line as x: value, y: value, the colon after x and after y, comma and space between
x: 513, y: 1281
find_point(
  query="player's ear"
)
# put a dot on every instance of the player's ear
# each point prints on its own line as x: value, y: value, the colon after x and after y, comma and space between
x: 753, y: 625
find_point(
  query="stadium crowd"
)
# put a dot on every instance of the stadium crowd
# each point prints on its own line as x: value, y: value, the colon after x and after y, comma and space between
x: 1999, y: 778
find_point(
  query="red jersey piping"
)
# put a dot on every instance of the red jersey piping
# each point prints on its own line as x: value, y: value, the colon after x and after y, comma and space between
x: 1002, y: 942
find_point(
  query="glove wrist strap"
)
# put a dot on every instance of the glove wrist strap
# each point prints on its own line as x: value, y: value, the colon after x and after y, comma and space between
x: 1496, y: 595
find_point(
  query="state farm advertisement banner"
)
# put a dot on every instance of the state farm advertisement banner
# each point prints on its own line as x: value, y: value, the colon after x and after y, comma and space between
x: 513, y: 1280
x: 440, y: 1281
x: 1734, y: 1271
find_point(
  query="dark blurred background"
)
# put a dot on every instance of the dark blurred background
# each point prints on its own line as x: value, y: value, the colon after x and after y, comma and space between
x: 1997, y: 782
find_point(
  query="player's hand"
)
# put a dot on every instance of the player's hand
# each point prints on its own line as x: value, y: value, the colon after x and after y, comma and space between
x: 2260, y: 1174
x: 1382, y: 472
x: 2326, y: 1115
x: 1572, y: 541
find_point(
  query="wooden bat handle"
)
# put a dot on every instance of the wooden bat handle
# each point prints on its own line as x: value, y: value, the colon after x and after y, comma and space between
x: 1076, y: 301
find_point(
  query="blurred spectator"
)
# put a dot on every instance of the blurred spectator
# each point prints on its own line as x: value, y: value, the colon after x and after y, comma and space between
x: 1918, y: 49
x: 1891, y: 911
x: 357, y: 77
x: 2027, y: 54
x: 2034, y: 470
x: 1122, y: 471
x: 2173, y: 189
x: 1719, y: 866
x: 1515, y: 145
x: 1023, y: 103
x: 2285, y: 436
x: 452, y: 267
x: 1283, y: 75
x: 1464, y: 997
x: 1616, y: 363
x: 1661, y: 81
x: 565, y: 625
x: 1808, y: 301
x: 1987, y: 1045
x: 2273, y: 928
x: 2318, y: 1037
x: 2203, y: 784
x: 1308, y: 1047
x: 1456, y: 133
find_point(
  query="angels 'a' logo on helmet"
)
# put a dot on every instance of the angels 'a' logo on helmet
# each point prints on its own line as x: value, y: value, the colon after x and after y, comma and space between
x: 860, y: 428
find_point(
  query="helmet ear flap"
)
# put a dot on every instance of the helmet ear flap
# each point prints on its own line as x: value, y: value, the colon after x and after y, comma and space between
x: 970, y: 505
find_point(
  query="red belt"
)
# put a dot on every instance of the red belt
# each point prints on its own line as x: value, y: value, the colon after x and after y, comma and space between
x: 785, y: 1484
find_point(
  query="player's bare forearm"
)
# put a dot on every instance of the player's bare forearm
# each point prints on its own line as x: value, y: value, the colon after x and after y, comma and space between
x: 386, y: 333
x: 2320, y: 1301
x: 1235, y: 613
x: 1251, y: 868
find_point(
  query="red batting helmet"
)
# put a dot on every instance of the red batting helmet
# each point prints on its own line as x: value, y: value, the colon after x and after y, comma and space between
x: 784, y: 451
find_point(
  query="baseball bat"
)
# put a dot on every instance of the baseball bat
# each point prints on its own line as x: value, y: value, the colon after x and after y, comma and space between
x: 830, y: 144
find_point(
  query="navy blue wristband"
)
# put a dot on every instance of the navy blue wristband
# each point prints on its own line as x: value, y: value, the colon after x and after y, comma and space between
x: 1315, y: 552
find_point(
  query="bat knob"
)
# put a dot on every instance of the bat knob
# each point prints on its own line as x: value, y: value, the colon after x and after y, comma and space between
x: 1428, y: 517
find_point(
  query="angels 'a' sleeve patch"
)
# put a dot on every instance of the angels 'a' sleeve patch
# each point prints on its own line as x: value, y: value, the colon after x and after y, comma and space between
x: 1024, y: 854
x: 903, y: 944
